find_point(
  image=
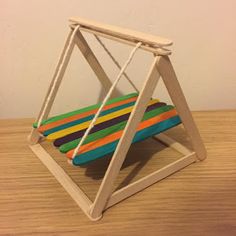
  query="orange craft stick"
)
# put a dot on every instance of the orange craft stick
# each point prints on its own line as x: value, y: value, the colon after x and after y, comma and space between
x: 43, y: 128
x: 110, y: 138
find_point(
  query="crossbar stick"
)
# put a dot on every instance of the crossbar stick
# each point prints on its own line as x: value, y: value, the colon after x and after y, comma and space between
x: 156, y: 51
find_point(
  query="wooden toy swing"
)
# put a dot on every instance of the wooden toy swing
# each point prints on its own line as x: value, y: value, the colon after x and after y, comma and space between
x: 110, y: 127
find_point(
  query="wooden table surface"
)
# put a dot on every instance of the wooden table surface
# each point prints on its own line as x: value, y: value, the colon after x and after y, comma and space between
x: 198, y: 200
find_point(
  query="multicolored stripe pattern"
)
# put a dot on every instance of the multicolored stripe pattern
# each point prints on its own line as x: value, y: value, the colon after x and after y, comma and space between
x: 66, y: 130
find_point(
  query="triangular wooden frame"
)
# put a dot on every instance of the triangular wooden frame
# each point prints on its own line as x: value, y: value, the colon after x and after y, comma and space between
x: 160, y: 67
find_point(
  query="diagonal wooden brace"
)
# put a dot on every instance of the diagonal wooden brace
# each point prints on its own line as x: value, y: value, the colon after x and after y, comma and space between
x: 119, y: 155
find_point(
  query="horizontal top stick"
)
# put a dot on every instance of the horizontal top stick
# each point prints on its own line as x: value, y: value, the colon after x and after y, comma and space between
x: 131, y: 35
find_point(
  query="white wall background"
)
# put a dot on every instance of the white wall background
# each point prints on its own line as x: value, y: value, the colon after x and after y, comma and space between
x: 33, y: 32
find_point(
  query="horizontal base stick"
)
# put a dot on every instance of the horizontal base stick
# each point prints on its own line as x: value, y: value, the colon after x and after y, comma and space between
x: 63, y: 178
x: 150, y: 179
x: 170, y: 142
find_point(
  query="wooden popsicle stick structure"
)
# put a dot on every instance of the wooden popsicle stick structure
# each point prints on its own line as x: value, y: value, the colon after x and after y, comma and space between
x: 160, y: 67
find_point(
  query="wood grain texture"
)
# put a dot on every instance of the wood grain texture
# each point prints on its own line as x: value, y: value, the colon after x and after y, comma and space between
x: 155, y: 51
x: 123, y: 33
x: 198, y: 200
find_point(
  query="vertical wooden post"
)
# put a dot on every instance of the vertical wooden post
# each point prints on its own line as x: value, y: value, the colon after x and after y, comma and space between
x: 170, y: 80
x: 119, y: 155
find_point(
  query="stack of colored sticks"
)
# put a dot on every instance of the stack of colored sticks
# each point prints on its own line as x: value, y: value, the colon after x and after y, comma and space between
x: 66, y: 130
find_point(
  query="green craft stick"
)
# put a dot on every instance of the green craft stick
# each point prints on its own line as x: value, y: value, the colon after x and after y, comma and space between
x: 141, y: 135
x: 85, y: 109
x: 109, y: 130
